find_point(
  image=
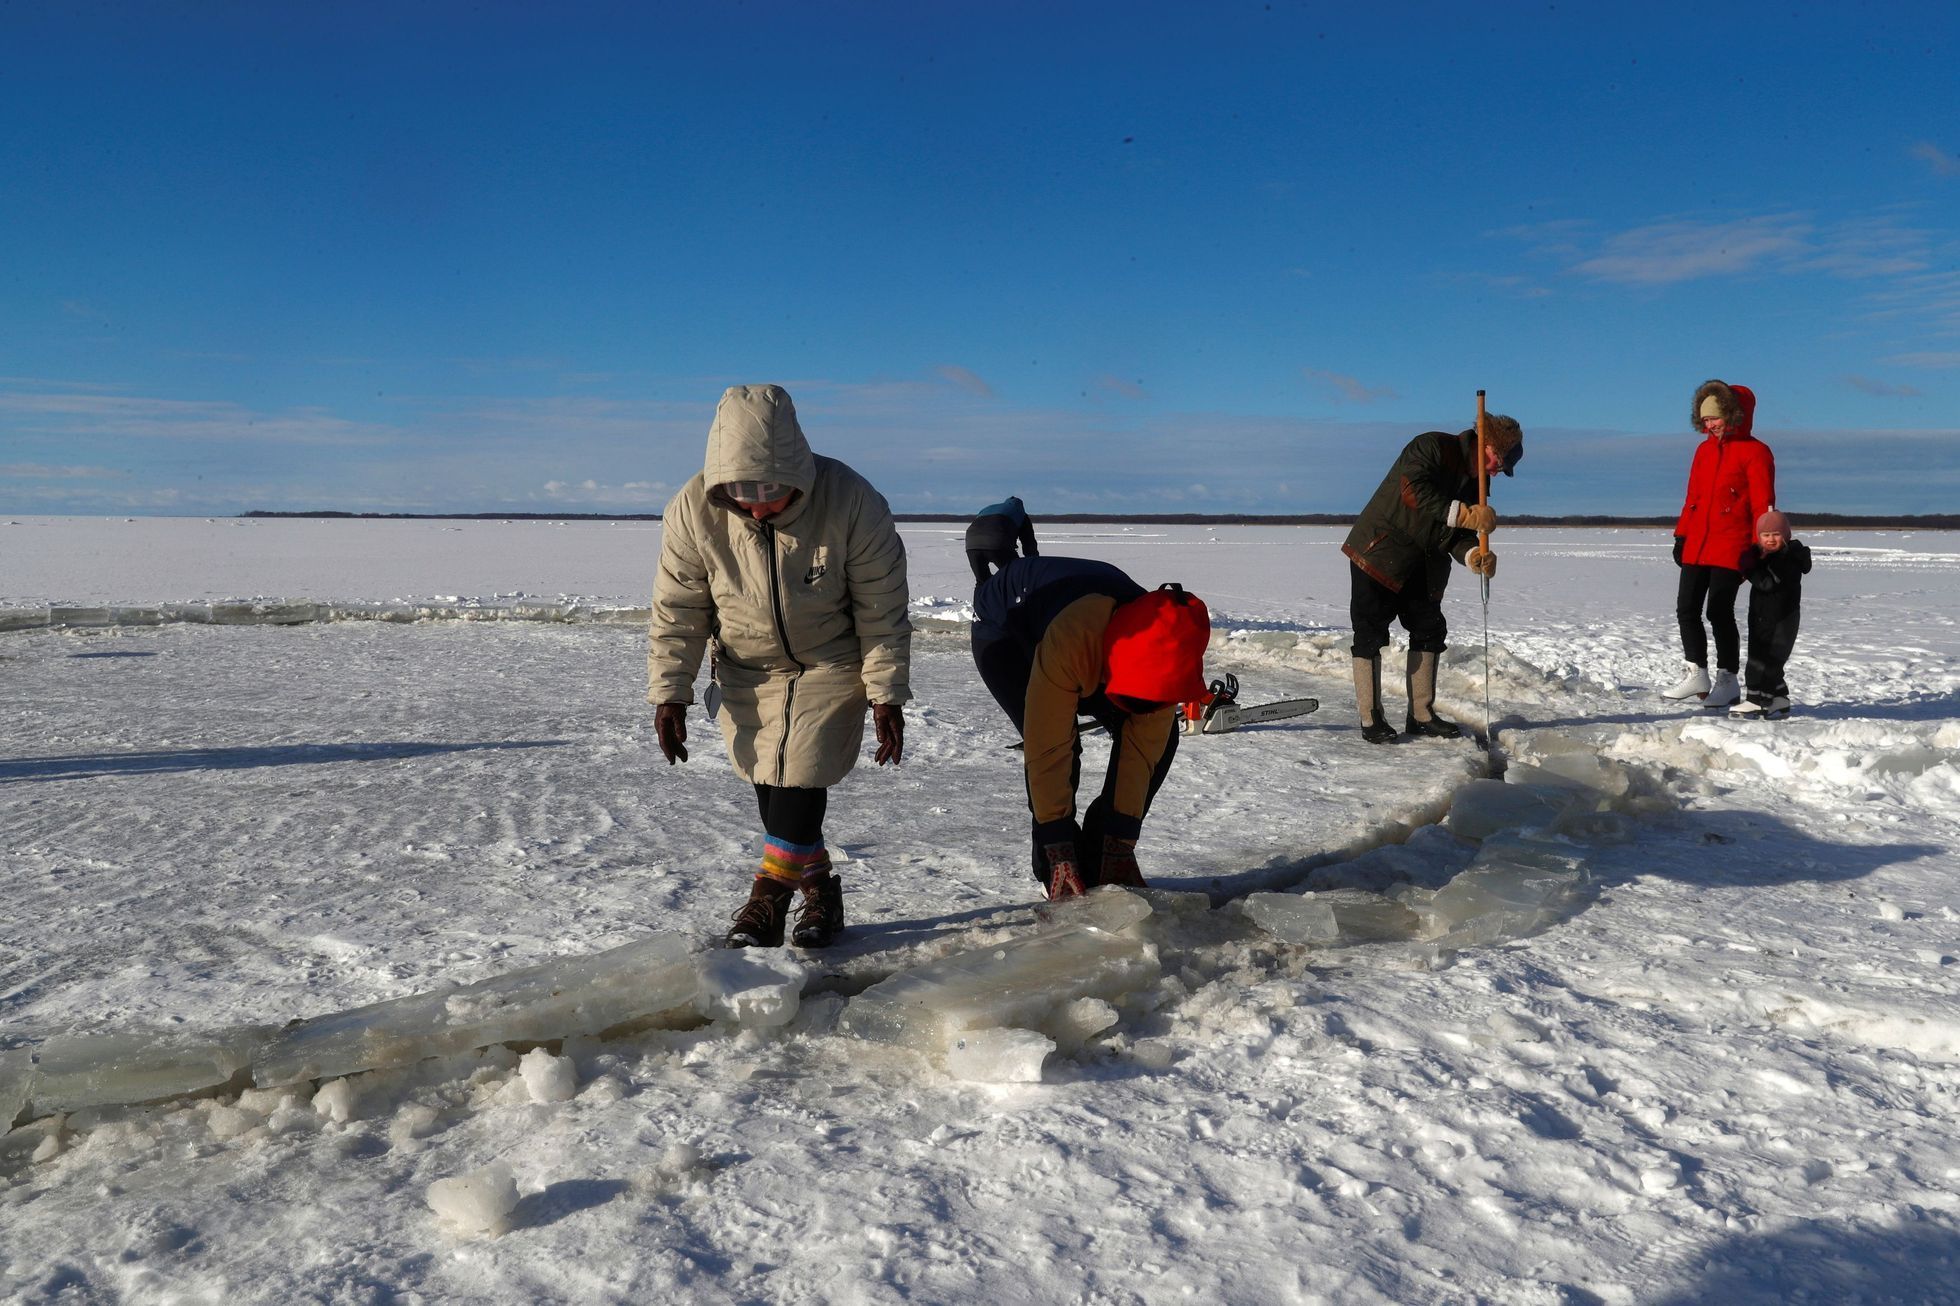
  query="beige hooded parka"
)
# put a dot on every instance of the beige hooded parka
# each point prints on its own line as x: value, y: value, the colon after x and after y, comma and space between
x: 807, y: 609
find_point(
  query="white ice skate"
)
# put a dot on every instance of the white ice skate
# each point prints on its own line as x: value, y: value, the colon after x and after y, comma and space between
x: 1748, y: 710
x: 1692, y: 685
x: 1724, y: 691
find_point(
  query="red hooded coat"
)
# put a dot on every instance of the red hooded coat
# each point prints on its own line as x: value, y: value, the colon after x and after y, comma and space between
x: 1732, y: 482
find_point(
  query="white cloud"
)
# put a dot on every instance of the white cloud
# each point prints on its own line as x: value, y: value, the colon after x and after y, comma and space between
x: 1686, y: 250
x: 1942, y: 162
x: 97, y: 415
x: 1348, y: 388
x: 969, y: 381
x: 1928, y: 359
x: 1885, y: 389
x: 40, y: 471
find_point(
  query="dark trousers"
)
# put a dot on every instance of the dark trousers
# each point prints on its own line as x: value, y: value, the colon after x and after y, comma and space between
x: 1005, y: 665
x: 1714, y: 587
x: 1772, y: 634
x: 987, y: 561
x: 793, y: 815
x: 1372, y: 605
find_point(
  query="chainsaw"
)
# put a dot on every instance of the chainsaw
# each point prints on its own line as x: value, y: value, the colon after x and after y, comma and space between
x: 1224, y: 713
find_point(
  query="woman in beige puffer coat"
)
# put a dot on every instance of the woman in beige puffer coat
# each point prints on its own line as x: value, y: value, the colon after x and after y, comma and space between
x: 789, y: 562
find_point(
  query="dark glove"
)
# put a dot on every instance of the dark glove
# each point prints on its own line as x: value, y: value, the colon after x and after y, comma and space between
x: 888, y: 720
x: 670, y: 723
x: 1680, y: 543
x: 1119, y: 863
x: 1064, y: 875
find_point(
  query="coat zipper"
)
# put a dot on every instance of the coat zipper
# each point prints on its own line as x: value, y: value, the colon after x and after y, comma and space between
x: 782, y: 637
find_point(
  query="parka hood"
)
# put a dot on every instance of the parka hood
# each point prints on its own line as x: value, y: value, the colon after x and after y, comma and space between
x: 1738, y: 406
x: 755, y: 437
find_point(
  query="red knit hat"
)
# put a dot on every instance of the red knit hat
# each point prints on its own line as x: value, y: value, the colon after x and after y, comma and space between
x: 1154, y: 647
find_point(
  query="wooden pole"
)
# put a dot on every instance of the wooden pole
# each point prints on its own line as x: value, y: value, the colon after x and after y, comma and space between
x: 1483, y: 470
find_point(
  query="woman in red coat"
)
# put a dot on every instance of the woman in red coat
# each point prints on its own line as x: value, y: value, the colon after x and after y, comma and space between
x: 1732, y: 483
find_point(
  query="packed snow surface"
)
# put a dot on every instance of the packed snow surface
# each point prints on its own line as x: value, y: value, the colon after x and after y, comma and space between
x: 1669, y: 1015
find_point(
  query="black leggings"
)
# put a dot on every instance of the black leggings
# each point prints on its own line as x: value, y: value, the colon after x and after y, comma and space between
x: 1716, y: 586
x: 793, y: 815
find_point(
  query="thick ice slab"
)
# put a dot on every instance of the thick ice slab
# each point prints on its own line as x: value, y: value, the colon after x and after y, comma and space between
x: 1332, y: 917
x: 1483, y: 808
x: 750, y: 987
x: 1021, y: 983
x: 999, y: 1056
x: 1515, y: 888
x: 574, y: 995
x: 137, y: 1066
x: 16, y: 1083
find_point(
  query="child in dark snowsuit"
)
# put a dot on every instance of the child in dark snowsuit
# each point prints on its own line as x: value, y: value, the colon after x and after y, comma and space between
x: 1775, y: 566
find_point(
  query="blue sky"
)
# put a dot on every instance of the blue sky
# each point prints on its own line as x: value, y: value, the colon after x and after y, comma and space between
x: 1113, y: 257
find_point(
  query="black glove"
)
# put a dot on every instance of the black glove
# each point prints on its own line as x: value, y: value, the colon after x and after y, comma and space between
x: 670, y: 723
x: 888, y: 721
x: 1064, y: 875
x: 1119, y: 863
x: 1680, y: 543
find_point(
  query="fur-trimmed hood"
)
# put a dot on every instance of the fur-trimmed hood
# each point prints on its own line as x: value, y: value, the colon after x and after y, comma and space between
x: 1738, y: 406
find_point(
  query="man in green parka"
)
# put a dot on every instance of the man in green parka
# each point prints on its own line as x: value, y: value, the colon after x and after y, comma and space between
x: 1424, y: 513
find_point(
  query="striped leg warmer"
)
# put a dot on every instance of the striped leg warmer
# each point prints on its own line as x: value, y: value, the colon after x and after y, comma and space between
x: 793, y: 863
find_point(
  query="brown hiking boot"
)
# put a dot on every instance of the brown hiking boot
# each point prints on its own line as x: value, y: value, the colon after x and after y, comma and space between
x: 820, y: 918
x: 759, y: 923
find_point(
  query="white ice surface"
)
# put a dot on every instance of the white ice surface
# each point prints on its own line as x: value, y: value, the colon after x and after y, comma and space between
x: 1731, y: 1075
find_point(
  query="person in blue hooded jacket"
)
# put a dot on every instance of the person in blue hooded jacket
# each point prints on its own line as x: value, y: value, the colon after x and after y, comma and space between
x: 993, y: 533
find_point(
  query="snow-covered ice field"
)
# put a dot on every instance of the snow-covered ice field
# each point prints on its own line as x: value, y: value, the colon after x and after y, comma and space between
x: 1728, y: 1072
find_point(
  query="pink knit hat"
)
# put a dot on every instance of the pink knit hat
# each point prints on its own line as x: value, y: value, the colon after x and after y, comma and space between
x: 1773, y: 522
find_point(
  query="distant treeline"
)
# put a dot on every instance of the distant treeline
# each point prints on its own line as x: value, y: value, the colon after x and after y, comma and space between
x: 1939, y: 521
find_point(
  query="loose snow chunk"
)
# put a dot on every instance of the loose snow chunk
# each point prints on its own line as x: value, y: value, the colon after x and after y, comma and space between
x: 1075, y: 1023
x: 1017, y: 983
x: 1483, y: 808
x: 335, y: 1101
x: 749, y: 988
x: 229, y: 1122
x: 476, y: 1203
x: 140, y: 1066
x: 414, y: 1120
x: 548, y: 1078
x: 572, y: 995
x: 1332, y: 917
x: 999, y: 1056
